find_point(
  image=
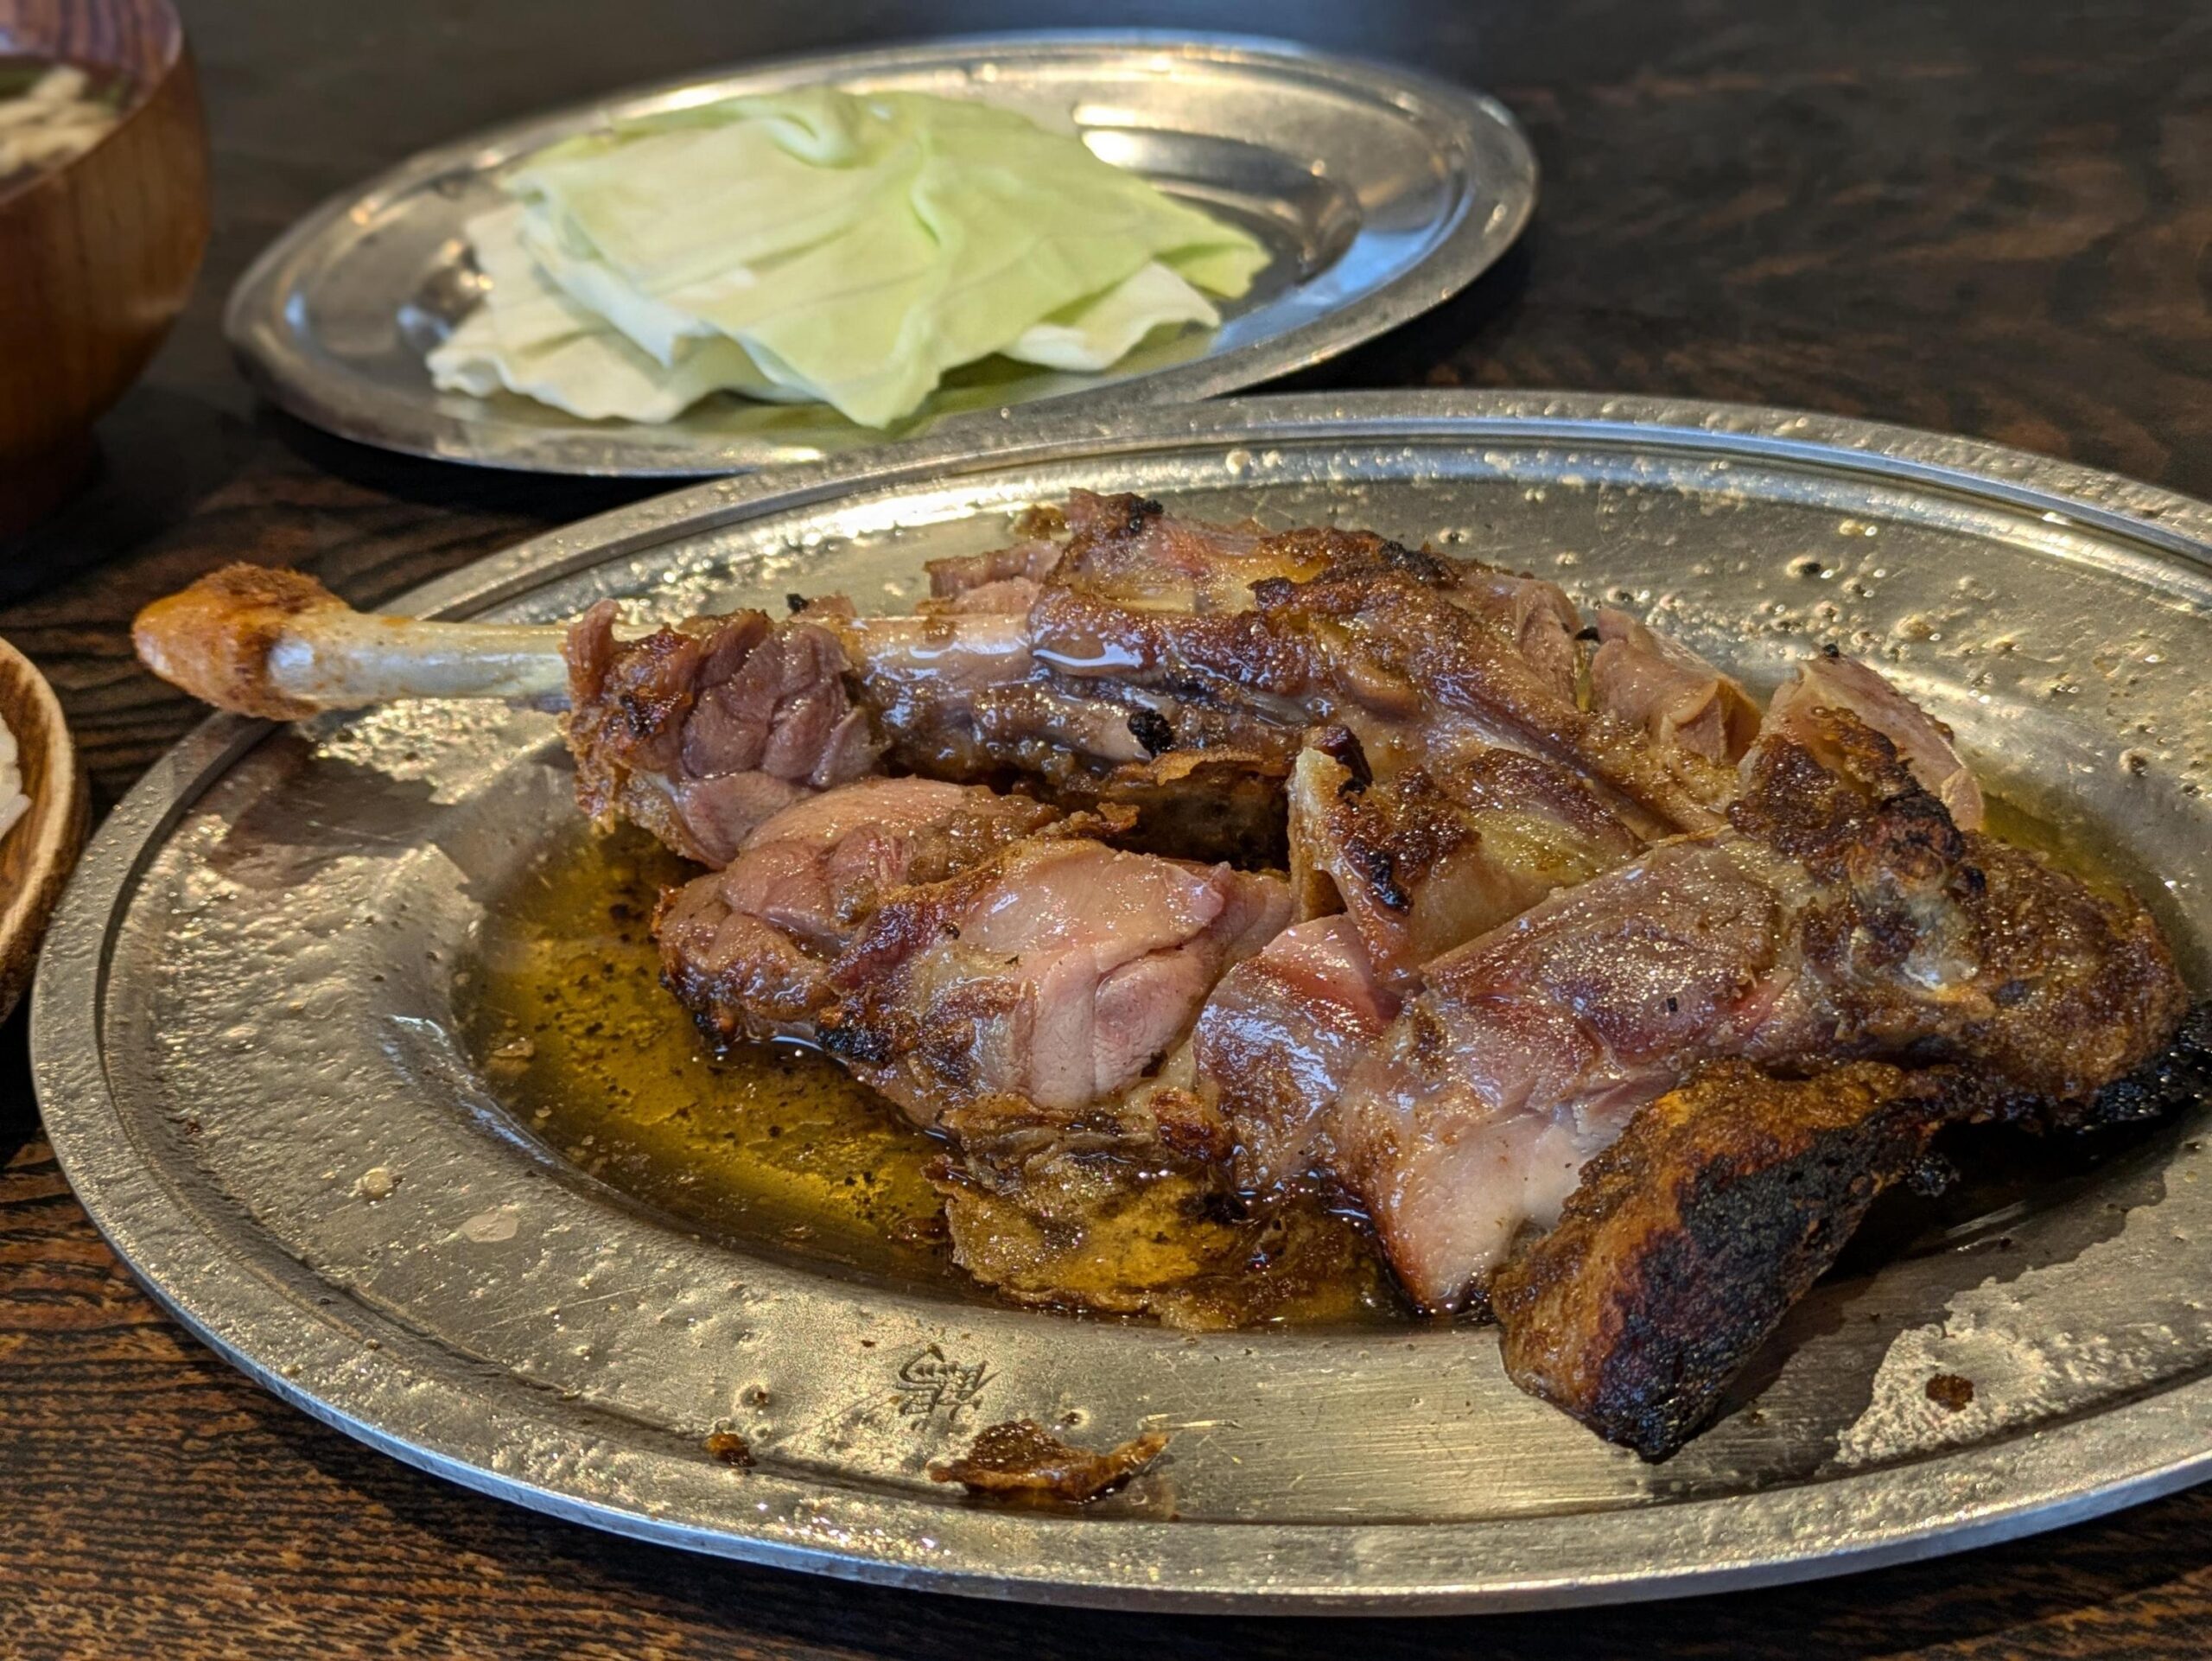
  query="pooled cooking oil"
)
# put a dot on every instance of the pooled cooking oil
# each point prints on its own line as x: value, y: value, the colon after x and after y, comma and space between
x: 772, y: 1144
x: 776, y: 1146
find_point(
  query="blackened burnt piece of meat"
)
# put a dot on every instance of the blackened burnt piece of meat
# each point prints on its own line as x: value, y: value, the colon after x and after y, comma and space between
x: 1688, y: 1239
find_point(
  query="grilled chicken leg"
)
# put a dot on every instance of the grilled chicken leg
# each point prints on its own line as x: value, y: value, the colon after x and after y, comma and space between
x: 1168, y: 665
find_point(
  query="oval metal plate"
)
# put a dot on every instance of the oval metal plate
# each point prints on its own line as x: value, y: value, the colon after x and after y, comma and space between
x: 248, y: 1002
x: 1379, y: 192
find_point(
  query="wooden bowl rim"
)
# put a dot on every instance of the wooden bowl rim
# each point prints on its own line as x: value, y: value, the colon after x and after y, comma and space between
x: 174, y: 51
x: 54, y: 825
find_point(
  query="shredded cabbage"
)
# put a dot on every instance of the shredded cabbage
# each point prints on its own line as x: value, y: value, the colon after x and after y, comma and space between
x: 822, y: 245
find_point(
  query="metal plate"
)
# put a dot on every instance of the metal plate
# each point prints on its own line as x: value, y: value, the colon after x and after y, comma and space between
x: 248, y: 1002
x: 1379, y: 193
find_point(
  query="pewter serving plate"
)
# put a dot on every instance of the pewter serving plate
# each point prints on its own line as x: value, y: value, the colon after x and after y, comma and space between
x: 1378, y: 191
x: 250, y: 1000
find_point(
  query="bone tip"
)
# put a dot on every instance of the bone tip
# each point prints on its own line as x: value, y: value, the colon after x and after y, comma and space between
x: 213, y: 639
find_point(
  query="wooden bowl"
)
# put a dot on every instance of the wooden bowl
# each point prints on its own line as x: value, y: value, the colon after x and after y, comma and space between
x: 98, y: 255
x: 38, y: 850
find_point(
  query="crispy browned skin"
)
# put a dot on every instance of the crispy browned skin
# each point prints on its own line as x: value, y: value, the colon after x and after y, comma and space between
x: 1691, y: 1237
x: 213, y: 638
x: 1127, y: 1210
x: 2179, y: 1077
x: 1152, y: 638
x: 1439, y: 856
x: 1021, y: 1458
x: 2069, y: 990
x: 1401, y: 634
x: 1094, y: 1212
x: 1228, y: 638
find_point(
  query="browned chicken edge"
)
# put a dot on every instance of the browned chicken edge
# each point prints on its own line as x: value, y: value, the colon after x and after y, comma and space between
x: 213, y: 639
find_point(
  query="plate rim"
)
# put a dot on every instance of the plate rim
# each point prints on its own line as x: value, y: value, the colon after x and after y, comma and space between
x: 2056, y: 1473
x: 267, y: 351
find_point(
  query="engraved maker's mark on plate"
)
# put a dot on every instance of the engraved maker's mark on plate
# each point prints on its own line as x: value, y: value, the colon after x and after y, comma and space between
x: 930, y: 1381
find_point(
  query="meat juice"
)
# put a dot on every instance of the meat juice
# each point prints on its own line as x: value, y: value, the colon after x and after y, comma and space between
x: 772, y: 1145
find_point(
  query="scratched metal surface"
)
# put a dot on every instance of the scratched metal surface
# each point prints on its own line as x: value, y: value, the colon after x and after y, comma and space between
x: 248, y: 1005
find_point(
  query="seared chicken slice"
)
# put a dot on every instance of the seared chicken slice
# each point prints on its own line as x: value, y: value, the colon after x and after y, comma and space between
x: 1441, y: 854
x: 1059, y: 972
x: 749, y: 948
x: 951, y: 945
x: 1276, y: 1040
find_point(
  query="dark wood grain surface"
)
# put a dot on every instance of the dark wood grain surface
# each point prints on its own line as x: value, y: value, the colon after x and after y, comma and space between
x: 1992, y: 216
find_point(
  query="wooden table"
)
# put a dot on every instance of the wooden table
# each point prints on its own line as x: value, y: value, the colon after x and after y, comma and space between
x: 1994, y: 216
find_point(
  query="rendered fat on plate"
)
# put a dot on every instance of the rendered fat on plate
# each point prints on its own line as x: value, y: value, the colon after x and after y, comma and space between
x: 818, y: 245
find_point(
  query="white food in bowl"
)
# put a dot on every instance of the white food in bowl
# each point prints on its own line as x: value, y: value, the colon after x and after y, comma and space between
x: 14, y: 803
x: 56, y: 121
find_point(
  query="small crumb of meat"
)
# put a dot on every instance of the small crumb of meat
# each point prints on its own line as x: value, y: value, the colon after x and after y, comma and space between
x: 1153, y: 730
x: 730, y: 1449
x: 1951, y: 1392
x: 1020, y: 1457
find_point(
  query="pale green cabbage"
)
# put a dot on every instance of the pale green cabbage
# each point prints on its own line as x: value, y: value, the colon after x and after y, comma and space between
x: 820, y: 245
